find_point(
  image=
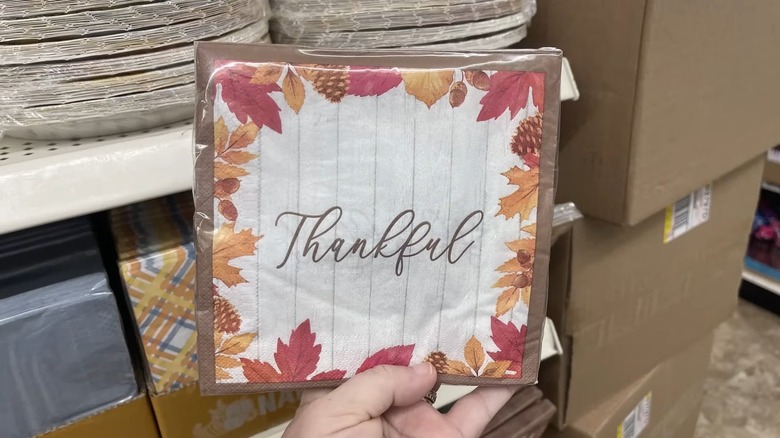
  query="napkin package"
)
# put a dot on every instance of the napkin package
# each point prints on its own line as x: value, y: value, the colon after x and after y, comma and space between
x: 355, y: 209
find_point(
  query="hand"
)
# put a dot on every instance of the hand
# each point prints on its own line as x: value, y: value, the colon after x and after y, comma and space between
x: 387, y: 402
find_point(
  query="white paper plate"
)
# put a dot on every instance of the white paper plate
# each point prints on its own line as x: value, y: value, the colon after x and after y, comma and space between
x: 32, y: 8
x: 296, y: 18
x: 82, y: 69
x: 406, y: 37
x: 133, y: 41
x: 101, y: 117
x: 499, y: 40
x: 122, y: 19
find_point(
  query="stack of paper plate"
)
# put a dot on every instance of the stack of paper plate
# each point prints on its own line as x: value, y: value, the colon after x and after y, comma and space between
x: 446, y: 24
x: 78, y: 68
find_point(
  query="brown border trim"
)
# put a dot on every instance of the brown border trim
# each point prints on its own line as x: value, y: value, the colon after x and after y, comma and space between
x: 544, y: 60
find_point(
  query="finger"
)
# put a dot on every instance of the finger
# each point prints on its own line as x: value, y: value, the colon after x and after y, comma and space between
x: 474, y: 411
x: 370, y: 394
x: 314, y: 394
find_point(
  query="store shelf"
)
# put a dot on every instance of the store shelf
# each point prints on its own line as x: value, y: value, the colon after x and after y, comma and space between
x: 46, y: 181
x: 551, y: 346
x: 762, y: 281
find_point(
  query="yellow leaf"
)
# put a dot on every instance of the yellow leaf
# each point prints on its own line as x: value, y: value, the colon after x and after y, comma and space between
x: 525, y: 296
x: 217, y: 339
x: 238, y: 157
x: 531, y: 229
x: 267, y: 74
x: 506, y: 281
x: 237, y: 344
x: 229, y: 245
x: 496, y: 369
x: 524, y: 244
x: 245, y: 135
x: 225, y: 171
x: 458, y: 368
x: 223, y: 361
x: 220, y: 136
x: 511, y: 265
x: 523, y: 200
x: 428, y: 86
x: 293, y: 90
x: 507, y: 301
x: 474, y: 354
x: 221, y: 374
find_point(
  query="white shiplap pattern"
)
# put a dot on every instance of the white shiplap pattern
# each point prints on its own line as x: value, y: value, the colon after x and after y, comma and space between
x: 375, y: 157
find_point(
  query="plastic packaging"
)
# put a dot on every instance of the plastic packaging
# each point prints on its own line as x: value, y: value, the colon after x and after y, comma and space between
x: 320, y: 176
x: 97, y: 71
x: 372, y: 24
x: 64, y: 352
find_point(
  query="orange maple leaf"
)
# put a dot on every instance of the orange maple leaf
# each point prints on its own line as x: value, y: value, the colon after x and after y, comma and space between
x: 523, y: 200
x: 229, y: 245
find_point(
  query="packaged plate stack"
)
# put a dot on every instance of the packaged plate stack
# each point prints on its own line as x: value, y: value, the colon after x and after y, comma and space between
x: 73, y: 69
x: 443, y: 24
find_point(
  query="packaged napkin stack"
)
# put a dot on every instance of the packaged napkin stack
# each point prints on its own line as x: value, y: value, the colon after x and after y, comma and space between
x: 157, y: 263
x: 64, y: 352
x: 97, y: 67
x: 444, y: 24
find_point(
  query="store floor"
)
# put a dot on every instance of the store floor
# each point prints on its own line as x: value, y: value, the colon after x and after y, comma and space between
x: 742, y: 393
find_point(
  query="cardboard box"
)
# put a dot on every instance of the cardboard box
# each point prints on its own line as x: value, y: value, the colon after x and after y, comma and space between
x: 186, y: 413
x: 623, y: 300
x: 659, y: 404
x: 132, y: 419
x: 674, y: 94
x: 772, y: 167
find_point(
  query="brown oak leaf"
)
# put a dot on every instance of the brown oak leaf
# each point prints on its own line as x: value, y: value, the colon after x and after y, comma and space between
x: 236, y: 344
x: 458, y: 368
x: 229, y: 245
x: 428, y: 86
x: 524, y: 199
x: 267, y: 74
x: 220, y: 136
x: 225, y: 171
x: 496, y: 369
x: 474, y: 354
x: 530, y: 229
x: 458, y: 94
x: 293, y: 90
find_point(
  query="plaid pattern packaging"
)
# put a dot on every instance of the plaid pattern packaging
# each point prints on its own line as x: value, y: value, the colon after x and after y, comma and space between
x: 157, y: 262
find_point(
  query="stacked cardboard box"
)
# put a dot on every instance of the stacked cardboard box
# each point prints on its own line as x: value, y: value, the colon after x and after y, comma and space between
x: 664, y: 154
x: 157, y: 265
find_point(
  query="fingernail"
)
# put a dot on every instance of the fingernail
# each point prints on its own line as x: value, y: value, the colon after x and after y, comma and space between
x: 423, y: 369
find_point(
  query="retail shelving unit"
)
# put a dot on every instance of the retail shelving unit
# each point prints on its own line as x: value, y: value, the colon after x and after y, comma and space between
x: 45, y: 181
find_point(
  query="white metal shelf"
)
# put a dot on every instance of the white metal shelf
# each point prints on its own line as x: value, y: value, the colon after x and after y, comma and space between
x: 45, y: 181
x: 761, y: 281
x: 551, y: 346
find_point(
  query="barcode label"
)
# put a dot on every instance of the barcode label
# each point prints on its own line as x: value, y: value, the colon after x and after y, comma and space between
x: 688, y: 213
x: 637, y: 420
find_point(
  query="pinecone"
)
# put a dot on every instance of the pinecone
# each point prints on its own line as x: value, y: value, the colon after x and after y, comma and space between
x: 528, y: 136
x: 226, y: 319
x: 331, y: 81
x: 439, y: 361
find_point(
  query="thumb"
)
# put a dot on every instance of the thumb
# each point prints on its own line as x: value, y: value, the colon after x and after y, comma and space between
x: 371, y: 393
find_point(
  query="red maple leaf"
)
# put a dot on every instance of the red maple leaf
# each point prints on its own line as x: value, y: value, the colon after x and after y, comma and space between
x: 329, y: 375
x: 398, y: 355
x: 509, y: 90
x: 247, y: 100
x: 257, y: 371
x: 510, y: 342
x: 299, y: 359
x: 370, y: 81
